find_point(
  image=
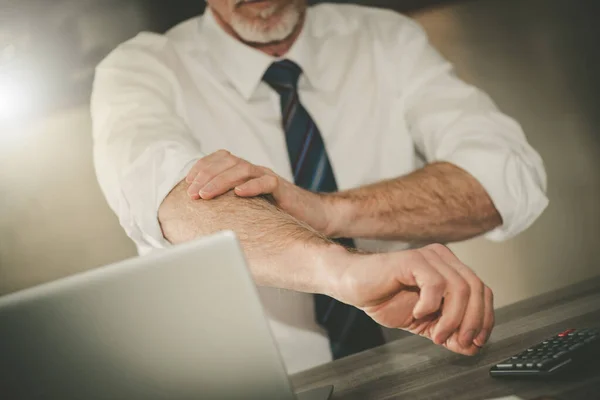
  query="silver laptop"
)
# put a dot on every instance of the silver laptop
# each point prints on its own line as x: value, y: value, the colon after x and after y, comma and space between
x: 184, y: 323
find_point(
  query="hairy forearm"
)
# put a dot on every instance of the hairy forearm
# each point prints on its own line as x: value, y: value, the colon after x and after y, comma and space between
x: 438, y: 203
x: 281, y: 251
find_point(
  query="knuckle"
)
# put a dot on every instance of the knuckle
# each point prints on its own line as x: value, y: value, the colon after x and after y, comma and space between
x: 200, y: 176
x: 463, y: 289
x: 217, y: 181
x: 246, y: 168
x: 488, y: 293
x: 438, y: 284
x: 416, y: 258
x: 223, y: 152
x: 435, y: 246
x: 477, y: 287
x: 440, y: 249
x: 191, y: 175
x: 271, y: 181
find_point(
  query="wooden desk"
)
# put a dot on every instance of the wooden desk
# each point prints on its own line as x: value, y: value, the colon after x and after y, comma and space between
x: 414, y: 368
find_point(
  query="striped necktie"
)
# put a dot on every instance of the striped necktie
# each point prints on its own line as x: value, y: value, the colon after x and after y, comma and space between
x: 349, y: 329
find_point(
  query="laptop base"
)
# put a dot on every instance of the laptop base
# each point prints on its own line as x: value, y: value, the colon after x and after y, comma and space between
x: 322, y: 393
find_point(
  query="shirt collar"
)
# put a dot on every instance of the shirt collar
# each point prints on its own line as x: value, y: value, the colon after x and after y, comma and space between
x: 245, y: 66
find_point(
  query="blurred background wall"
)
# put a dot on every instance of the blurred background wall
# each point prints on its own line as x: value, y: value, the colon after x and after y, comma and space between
x: 538, y: 59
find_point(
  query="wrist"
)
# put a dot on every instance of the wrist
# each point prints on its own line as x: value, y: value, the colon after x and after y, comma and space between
x: 336, y: 214
x: 331, y: 264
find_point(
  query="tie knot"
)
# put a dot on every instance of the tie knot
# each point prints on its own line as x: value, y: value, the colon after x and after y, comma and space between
x: 283, y: 75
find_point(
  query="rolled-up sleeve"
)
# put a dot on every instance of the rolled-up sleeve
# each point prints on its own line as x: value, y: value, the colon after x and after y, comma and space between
x: 452, y: 121
x: 142, y: 145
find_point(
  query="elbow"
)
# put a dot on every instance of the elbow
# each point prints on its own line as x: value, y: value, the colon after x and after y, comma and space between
x: 171, y: 216
x: 522, y: 199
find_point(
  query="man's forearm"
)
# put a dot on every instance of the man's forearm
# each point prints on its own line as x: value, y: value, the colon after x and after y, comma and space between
x: 281, y: 251
x: 439, y: 203
x: 398, y: 290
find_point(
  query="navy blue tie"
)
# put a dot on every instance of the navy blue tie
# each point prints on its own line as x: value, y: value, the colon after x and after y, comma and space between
x: 350, y: 330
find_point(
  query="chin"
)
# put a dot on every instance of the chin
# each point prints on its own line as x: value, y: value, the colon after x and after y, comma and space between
x: 267, y: 26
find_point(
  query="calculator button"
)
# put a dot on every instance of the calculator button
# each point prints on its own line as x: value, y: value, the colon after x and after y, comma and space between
x: 546, y: 363
x: 576, y: 346
x: 565, y: 333
x: 559, y: 355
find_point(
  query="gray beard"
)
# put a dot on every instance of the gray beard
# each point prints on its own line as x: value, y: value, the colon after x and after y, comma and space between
x: 253, y: 31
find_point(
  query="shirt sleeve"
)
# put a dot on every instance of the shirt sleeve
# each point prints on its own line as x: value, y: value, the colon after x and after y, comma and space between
x: 452, y: 121
x: 142, y: 145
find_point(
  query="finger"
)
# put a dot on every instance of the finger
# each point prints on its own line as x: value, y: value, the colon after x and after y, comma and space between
x: 210, y: 171
x: 203, y: 162
x: 431, y: 284
x: 488, y: 320
x: 454, y: 345
x: 456, y: 298
x: 472, y: 322
x: 266, y: 184
x: 229, y: 179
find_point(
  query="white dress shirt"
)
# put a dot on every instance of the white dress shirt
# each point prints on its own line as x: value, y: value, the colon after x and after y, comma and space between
x: 384, y: 100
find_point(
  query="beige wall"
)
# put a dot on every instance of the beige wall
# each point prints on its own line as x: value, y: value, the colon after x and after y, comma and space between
x: 54, y: 220
x: 532, y: 57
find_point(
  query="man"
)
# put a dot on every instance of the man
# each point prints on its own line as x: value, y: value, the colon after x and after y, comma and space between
x: 293, y: 125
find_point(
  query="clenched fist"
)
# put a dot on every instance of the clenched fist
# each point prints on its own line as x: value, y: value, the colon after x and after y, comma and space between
x: 427, y: 291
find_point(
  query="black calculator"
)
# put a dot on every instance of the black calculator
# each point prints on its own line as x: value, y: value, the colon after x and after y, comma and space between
x: 554, y: 356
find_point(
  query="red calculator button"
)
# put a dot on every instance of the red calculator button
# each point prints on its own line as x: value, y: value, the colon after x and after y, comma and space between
x: 565, y: 333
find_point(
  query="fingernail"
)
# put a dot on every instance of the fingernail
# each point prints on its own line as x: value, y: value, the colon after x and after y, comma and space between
x: 439, y: 339
x: 468, y: 337
x: 192, y: 189
x: 482, y: 338
x: 206, y: 190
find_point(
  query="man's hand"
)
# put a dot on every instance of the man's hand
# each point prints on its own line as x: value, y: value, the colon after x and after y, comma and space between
x: 220, y: 172
x: 428, y: 292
